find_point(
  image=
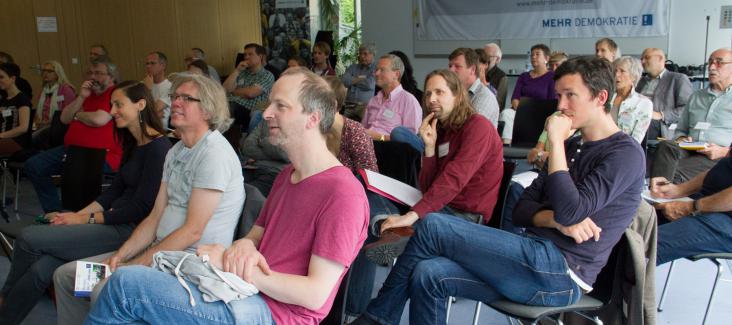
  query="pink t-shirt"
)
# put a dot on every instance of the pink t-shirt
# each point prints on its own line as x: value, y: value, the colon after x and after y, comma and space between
x: 326, y: 214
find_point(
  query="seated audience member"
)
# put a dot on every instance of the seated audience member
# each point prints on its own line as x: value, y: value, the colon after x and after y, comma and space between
x: 90, y: 126
x: 56, y: 93
x: 249, y: 84
x: 321, y: 63
x: 576, y: 211
x: 156, y: 80
x: 297, y: 273
x: 606, y: 48
x: 700, y: 226
x: 460, y: 176
x: 537, y: 83
x: 198, y: 67
x: 669, y: 91
x: 630, y: 110
x: 359, y: 77
x: 347, y: 139
x: 22, y: 84
x: 15, y: 124
x: 392, y: 106
x: 556, y: 58
x: 482, y: 68
x: 104, y: 224
x: 97, y: 52
x: 197, y: 54
x: 495, y: 76
x: 263, y: 160
x: 200, y: 197
x: 296, y: 61
x: 710, y: 106
x: 464, y: 62
x: 408, y: 82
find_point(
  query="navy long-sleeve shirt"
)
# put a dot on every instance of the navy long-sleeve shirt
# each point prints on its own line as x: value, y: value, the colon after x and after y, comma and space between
x: 604, y: 183
x: 132, y: 194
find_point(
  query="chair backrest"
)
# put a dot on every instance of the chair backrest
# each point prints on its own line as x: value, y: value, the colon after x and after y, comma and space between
x: 508, y: 167
x: 529, y: 121
x: 253, y: 203
x: 604, y: 286
x: 82, y: 176
x: 399, y: 161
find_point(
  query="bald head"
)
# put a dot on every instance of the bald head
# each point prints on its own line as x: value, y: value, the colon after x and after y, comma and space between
x: 653, y: 61
x: 720, y: 69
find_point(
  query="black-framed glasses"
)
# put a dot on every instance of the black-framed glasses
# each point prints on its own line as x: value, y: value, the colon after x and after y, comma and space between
x: 184, y: 97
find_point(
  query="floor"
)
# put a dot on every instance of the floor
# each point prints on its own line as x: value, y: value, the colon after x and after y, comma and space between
x: 685, y: 304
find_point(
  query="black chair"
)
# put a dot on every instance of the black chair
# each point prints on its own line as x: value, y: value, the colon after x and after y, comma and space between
x: 253, y: 203
x: 508, y: 168
x: 528, y: 124
x: 717, y: 259
x: 592, y: 301
x: 82, y: 176
x: 399, y: 161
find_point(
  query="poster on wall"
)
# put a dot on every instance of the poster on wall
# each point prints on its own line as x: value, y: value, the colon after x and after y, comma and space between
x: 535, y: 19
x: 285, y: 31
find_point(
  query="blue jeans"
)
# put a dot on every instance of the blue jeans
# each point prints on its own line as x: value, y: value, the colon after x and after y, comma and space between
x: 512, y: 197
x: 362, y: 270
x: 402, y: 134
x: 141, y: 295
x: 39, y: 169
x: 694, y: 235
x: 452, y: 257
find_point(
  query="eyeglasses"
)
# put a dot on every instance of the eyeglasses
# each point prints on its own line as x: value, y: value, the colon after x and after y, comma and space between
x: 98, y: 73
x: 185, y: 98
x: 151, y: 63
x: 718, y: 62
x: 47, y: 70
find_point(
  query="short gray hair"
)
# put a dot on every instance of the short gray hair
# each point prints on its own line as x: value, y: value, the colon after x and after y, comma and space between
x: 315, y: 95
x: 111, y: 67
x: 370, y: 47
x: 498, y: 49
x: 635, y: 68
x: 212, y: 97
x: 396, y: 63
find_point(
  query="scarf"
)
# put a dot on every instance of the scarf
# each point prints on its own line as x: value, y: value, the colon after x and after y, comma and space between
x: 53, y: 92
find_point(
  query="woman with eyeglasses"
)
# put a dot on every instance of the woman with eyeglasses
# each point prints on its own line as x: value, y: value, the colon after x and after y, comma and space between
x: 15, y: 126
x: 104, y: 224
x: 57, y: 93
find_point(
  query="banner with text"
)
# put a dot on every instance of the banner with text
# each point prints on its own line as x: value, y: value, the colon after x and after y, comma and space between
x: 529, y: 19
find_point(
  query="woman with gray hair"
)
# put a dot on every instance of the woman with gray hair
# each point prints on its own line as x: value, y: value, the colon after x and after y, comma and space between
x: 631, y: 110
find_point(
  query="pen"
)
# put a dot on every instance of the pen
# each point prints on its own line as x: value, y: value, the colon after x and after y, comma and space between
x: 663, y: 183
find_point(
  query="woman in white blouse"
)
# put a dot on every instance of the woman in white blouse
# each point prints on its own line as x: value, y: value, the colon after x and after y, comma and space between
x: 631, y: 110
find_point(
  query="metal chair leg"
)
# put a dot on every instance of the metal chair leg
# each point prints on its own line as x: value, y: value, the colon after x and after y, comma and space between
x: 476, y: 315
x: 720, y: 269
x: 17, y: 187
x: 449, y: 306
x: 665, y: 287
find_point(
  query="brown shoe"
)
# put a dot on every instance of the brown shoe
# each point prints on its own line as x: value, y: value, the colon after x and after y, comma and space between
x: 389, y: 246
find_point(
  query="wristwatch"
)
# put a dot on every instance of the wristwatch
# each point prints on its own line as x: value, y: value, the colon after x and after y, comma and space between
x: 696, y: 211
x: 91, y: 219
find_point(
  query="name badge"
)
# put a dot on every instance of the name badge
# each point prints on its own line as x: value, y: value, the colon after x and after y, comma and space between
x: 443, y: 149
x: 7, y: 113
x: 702, y: 126
x: 388, y: 113
x: 60, y: 98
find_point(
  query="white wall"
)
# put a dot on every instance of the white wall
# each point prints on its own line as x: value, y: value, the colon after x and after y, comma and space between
x: 389, y: 25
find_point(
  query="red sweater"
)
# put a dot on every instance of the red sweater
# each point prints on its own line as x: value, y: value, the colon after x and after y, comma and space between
x: 82, y: 135
x: 465, y: 172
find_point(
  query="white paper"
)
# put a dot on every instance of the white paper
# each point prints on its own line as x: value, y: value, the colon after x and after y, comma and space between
x: 88, y: 274
x: 525, y: 178
x: 696, y: 145
x: 654, y: 200
x: 400, y: 191
x: 46, y: 24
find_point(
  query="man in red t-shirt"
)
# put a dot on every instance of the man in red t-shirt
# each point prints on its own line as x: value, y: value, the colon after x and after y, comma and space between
x: 307, y: 234
x: 90, y: 126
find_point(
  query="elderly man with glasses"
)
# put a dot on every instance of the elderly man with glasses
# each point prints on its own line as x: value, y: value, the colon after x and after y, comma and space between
x: 706, y: 120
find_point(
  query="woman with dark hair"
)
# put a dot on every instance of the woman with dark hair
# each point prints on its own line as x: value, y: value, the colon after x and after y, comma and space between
x: 537, y: 83
x: 104, y: 224
x: 15, y: 124
x: 408, y: 82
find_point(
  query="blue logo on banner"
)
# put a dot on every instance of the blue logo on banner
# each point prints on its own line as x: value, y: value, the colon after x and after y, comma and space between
x: 647, y: 20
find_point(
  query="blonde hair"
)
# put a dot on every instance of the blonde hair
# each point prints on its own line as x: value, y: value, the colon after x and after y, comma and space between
x: 212, y: 97
x: 59, y: 70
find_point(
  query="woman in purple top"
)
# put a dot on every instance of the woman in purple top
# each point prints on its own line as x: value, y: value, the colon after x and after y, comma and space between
x: 537, y: 83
